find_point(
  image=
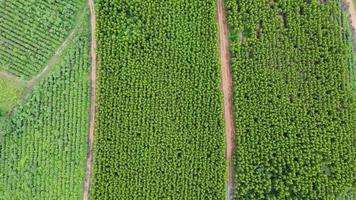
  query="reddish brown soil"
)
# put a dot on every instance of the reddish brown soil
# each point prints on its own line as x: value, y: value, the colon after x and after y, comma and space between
x: 88, y: 171
x: 352, y: 12
x: 227, y: 88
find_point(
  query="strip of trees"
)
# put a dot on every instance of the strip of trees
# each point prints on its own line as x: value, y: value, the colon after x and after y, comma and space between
x: 294, y: 106
x: 159, y: 131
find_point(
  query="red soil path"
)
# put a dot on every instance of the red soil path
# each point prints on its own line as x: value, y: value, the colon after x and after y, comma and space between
x: 227, y: 89
x: 89, y: 161
x: 352, y: 12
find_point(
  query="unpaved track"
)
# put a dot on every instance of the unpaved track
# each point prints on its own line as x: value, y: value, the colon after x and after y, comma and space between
x: 352, y: 12
x: 227, y: 89
x: 89, y: 161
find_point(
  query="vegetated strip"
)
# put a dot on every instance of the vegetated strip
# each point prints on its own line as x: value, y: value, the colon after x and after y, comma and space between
x: 227, y: 88
x: 296, y: 108
x: 89, y: 160
x: 57, y: 54
x: 47, y: 133
x: 24, y: 54
x: 159, y: 131
x: 52, y: 62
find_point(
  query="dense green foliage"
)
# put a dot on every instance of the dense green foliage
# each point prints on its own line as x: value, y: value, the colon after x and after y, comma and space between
x: 43, y: 144
x: 294, y: 106
x: 159, y: 131
x: 30, y: 31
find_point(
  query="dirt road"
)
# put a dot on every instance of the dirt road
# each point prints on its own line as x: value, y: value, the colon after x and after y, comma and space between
x: 227, y: 88
x: 352, y: 12
x: 89, y: 161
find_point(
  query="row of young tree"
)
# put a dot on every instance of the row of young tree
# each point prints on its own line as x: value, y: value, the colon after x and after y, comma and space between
x: 43, y: 144
x: 159, y: 131
x: 294, y: 106
x: 30, y: 31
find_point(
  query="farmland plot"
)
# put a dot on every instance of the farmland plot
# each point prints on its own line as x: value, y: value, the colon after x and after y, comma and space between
x: 30, y: 31
x: 43, y: 142
x: 294, y: 105
x: 159, y: 131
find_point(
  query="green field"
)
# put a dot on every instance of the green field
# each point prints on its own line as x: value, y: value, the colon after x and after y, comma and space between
x: 159, y: 131
x: 30, y: 32
x: 10, y: 94
x: 294, y: 105
x: 43, y: 143
x: 159, y: 126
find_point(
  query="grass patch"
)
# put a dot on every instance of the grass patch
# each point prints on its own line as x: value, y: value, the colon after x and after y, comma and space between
x: 10, y: 94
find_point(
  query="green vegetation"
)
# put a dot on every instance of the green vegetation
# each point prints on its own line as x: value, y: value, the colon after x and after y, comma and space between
x: 294, y: 105
x: 43, y: 144
x: 351, y: 38
x: 9, y: 95
x: 159, y: 128
x: 30, y: 31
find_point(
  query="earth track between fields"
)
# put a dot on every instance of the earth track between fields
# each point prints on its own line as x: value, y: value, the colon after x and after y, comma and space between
x: 227, y: 88
x: 352, y: 12
x: 89, y: 160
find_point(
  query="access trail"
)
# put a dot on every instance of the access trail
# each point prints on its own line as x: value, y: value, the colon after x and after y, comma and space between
x: 351, y: 9
x: 89, y: 161
x: 227, y: 88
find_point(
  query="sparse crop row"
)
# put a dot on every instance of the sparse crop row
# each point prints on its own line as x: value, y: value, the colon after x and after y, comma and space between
x: 159, y: 128
x: 294, y: 106
x: 30, y: 31
x: 43, y: 143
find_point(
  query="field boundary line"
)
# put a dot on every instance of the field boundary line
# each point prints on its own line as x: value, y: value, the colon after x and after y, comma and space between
x: 227, y: 88
x: 352, y: 12
x: 89, y: 159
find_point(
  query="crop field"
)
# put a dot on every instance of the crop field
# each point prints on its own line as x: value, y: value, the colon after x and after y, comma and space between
x: 294, y: 105
x: 177, y: 99
x: 43, y: 142
x: 159, y: 127
x: 30, y: 32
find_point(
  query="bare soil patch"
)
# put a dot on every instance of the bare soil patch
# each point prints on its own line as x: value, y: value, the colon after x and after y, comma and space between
x: 351, y: 9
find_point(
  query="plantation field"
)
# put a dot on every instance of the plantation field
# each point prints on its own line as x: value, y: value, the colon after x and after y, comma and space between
x: 186, y: 104
x: 30, y: 32
x: 159, y: 127
x: 294, y: 105
x: 43, y: 142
